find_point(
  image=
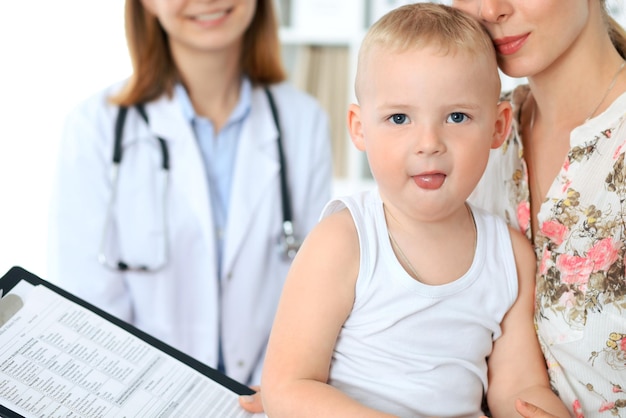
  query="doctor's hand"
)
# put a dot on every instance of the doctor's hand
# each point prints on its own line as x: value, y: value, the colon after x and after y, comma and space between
x: 528, y: 410
x: 252, y: 403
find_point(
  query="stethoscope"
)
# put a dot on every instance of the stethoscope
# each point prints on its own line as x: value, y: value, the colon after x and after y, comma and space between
x: 288, y: 244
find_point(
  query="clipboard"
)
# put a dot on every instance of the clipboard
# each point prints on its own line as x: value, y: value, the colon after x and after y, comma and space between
x: 11, y: 305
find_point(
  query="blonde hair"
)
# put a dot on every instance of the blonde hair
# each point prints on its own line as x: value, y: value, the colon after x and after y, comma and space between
x: 616, y: 32
x: 154, y: 70
x: 425, y: 24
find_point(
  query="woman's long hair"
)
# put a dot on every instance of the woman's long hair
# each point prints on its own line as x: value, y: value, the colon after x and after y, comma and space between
x: 616, y: 32
x: 154, y: 70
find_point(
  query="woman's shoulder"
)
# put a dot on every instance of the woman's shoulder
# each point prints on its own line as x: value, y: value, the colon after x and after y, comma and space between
x: 97, y: 102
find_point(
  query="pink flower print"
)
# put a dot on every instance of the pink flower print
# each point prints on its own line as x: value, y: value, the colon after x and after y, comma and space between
x: 574, y: 269
x: 606, y: 406
x: 617, y: 388
x: 622, y: 344
x: 543, y: 266
x: 603, y: 254
x: 554, y: 230
x: 567, y: 300
x: 523, y: 216
x: 566, y: 165
x: 566, y: 186
x: 617, y: 151
x: 578, y: 409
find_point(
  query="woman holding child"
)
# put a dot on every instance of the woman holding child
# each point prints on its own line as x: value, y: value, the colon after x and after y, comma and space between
x: 560, y: 178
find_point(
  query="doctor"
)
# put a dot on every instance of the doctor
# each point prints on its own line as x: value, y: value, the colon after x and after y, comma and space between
x: 185, y: 236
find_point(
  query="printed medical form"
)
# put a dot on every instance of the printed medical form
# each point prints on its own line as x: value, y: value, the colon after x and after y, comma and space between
x: 59, y: 359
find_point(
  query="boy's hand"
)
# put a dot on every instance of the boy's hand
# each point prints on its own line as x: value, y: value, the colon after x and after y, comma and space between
x: 252, y: 403
x: 528, y: 410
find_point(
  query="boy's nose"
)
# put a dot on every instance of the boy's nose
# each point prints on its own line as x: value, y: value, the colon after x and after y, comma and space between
x: 429, y: 141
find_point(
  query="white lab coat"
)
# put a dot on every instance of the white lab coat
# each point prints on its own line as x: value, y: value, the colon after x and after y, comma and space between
x: 180, y: 304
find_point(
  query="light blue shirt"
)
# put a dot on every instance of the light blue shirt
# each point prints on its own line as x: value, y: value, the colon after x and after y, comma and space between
x: 218, y: 152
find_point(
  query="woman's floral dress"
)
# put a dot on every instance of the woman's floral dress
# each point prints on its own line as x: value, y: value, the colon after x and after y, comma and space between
x: 580, y: 246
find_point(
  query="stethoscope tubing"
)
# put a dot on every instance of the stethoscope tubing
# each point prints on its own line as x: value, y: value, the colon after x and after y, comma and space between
x: 289, y: 245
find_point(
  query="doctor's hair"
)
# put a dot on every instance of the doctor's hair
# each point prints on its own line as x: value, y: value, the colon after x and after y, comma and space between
x: 421, y: 25
x: 616, y: 32
x: 154, y: 70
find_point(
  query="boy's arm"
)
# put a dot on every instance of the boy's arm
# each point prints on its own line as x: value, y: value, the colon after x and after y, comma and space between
x: 517, y: 368
x: 317, y: 297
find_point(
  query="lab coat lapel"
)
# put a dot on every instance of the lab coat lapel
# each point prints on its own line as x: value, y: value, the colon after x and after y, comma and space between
x: 256, y: 167
x: 167, y: 121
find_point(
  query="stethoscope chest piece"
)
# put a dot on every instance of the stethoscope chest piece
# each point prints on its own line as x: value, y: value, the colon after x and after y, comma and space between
x: 289, y: 244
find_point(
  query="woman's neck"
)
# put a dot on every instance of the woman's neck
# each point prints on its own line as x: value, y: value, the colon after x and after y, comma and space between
x: 212, y: 82
x: 579, y: 85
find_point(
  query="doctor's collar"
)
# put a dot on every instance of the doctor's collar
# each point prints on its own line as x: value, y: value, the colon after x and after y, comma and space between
x: 241, y: 110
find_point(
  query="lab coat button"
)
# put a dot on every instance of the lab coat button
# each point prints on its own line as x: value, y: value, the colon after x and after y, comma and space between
x: 229, y: 276
x: 240, y: 363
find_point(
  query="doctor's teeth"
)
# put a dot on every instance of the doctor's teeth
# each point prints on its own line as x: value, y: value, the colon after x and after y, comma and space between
x: 211, y: 16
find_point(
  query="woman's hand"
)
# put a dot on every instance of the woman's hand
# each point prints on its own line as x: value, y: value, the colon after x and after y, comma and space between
x: 253, y: 403
x: 528, y: 410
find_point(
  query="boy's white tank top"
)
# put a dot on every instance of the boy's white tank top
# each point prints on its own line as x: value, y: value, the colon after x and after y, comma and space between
x: 416, y: 350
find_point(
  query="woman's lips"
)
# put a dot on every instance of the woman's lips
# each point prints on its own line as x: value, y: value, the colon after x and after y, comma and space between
x: 429, y: 181
x: 510, y: 44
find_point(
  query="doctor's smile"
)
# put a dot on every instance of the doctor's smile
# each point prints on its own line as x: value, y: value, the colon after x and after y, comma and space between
x: 214, y: 17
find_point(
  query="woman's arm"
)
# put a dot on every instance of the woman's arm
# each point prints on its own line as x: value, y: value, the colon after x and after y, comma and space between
x: 517, y: 369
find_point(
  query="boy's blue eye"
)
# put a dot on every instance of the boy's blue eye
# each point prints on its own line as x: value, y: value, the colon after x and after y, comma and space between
x: 398, y: 118
x: 456, y: 117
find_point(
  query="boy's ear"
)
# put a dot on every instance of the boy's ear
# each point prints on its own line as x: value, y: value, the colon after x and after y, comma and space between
x: 355, y: 126
x: 502, y: 126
